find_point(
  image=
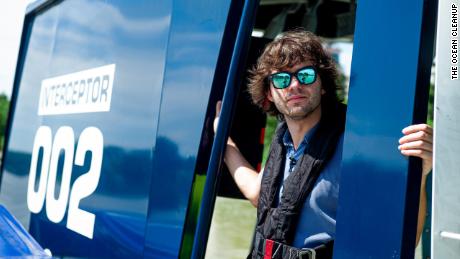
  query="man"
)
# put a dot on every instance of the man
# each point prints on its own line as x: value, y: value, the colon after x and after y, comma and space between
x: 297, y: 193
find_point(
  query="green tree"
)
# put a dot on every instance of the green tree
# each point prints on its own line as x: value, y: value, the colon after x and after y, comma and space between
x: 4, y: 107
x: 430, y: 106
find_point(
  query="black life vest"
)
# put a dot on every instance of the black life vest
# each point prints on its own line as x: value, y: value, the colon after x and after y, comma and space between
x: 278, y: 222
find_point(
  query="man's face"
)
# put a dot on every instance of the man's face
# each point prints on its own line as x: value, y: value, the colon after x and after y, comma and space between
x: 297, y: 101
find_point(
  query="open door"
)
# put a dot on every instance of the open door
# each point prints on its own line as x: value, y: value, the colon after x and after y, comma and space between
x: 233, y: 221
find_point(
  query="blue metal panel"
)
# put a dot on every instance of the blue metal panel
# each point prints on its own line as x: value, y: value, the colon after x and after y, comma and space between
x: 73, y: 36
x: 194, y: 44
x: 389, y: 83
x: 151, y: 134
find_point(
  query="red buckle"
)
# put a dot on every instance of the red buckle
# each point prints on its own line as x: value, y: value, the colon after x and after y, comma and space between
x: 268, y: 249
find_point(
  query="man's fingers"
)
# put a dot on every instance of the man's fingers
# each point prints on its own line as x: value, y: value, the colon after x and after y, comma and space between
x: 420, y: 135
x: 423, y: 154
x: 218, y: 108
x: 418, y: 127
x: 216, y: 118
x: 419, y: 144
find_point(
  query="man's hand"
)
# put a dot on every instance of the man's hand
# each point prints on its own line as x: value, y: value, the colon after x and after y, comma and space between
x: 216, y: 118
x: 246, y: 178
x: 418, y: 141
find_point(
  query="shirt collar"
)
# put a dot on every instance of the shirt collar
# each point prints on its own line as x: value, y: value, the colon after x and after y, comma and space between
x: 287, y: 140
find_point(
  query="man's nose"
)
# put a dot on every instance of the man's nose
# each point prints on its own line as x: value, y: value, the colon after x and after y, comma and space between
x: 294, y: 83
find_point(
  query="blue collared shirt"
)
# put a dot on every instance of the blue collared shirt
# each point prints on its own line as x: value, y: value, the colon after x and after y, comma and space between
x: 317, y: 219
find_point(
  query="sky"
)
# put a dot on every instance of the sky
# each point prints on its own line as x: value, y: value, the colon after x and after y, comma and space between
x: 11, y: 19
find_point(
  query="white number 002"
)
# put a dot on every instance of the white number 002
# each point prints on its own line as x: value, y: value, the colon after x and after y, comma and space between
x: 91, y: 139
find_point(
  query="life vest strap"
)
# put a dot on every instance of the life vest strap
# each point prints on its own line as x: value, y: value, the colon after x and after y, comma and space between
x: 270, y: 249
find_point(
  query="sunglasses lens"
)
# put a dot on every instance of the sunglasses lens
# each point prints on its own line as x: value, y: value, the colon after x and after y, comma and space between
x: 281, y: 80
x: 306, y: 76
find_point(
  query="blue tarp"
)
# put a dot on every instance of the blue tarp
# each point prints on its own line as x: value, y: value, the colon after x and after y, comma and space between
x: 15, y: 240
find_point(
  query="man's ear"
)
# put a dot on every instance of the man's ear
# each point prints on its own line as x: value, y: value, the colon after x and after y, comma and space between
x: 323, y: 92
x: 269, y: 95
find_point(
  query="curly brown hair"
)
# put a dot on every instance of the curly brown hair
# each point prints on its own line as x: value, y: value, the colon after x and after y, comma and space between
x: 287, y: 50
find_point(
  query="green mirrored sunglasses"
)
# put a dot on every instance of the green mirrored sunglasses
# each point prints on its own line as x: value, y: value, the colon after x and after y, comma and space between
x: 305, y: 76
